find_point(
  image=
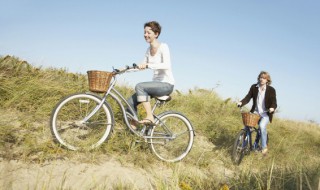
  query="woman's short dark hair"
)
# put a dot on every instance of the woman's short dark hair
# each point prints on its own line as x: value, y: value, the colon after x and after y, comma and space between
x: 155, y: 27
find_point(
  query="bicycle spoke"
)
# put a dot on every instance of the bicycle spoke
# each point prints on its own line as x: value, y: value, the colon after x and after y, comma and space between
x: 68, y: 128
x: 173, y: 138
x: 241, y: 143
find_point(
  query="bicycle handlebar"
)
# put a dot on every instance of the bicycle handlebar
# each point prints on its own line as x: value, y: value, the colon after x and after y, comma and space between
x: 241, y: 109
x: 127, y: 68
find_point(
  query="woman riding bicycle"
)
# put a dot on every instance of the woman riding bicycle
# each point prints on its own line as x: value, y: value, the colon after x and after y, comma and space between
x: 157, y: 58
x: 264, y: 104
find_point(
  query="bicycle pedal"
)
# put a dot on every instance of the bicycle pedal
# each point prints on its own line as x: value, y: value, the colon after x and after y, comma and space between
x: 141, y: 133
x: 148, y: 132
x: 146, y: 136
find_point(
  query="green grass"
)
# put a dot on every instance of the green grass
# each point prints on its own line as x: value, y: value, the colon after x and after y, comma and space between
x: 28, y: 94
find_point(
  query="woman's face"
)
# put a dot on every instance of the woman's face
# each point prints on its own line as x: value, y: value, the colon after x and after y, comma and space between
x: 149, y: 35
x: 263, y: 80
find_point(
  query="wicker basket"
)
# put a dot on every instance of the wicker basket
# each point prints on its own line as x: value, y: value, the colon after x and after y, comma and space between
x: 250, y: 119
x: 99, y: 80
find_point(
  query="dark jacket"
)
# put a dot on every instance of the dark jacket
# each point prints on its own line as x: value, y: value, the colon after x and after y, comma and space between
x: 270, y: 98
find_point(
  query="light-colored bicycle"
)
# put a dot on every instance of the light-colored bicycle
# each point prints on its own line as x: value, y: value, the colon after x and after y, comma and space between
x: 86, y: 120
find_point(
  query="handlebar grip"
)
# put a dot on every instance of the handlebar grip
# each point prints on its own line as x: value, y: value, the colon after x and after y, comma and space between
x: 134, y: 65
x: 127, y: 67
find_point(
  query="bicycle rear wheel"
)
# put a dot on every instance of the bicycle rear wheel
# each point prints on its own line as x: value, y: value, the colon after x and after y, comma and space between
x: 69, y: 130
x: 172, y: 138
x: 240, y: 146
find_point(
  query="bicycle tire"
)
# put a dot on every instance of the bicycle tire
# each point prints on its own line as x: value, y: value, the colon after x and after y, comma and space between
x: 240, y: 145
x: 172, y: 137
x: 67, y: 129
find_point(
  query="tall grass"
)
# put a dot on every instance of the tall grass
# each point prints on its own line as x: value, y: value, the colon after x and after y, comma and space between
x: 28, y: 94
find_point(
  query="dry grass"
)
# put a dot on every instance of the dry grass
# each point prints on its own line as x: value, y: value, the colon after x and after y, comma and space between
x: 28, y: 94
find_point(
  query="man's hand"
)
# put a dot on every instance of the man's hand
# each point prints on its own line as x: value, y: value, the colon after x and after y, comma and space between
x: 271, y: 110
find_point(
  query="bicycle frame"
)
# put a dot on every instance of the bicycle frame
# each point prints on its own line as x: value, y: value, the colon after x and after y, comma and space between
x: 118, y: 97
x: 92, y: 121
x: 249, y: 131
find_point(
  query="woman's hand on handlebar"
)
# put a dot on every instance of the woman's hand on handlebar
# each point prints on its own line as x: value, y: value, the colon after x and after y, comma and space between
x: 134, y: 67
x: 271, y: 110
x: 143, y: 66
x: 127, y: 68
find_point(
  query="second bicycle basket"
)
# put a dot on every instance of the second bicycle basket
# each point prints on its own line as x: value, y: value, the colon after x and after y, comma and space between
x: 99, y: 80
x: 250, y: 119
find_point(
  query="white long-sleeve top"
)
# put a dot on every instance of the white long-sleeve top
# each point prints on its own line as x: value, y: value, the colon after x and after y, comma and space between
x: 160, y: 63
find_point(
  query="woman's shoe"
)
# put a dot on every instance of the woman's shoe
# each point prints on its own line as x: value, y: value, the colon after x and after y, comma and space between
x: 264, y: 151
x: 134, y: 124
x: 147, y: 122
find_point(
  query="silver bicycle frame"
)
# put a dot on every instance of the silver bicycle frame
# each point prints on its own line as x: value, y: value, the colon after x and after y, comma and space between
x: 117, y: 97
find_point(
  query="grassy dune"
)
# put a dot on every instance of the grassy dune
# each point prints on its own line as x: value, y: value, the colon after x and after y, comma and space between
x: 28, y: 95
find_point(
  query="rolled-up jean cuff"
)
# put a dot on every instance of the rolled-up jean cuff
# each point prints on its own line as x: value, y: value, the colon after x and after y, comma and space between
x: 143, y: 98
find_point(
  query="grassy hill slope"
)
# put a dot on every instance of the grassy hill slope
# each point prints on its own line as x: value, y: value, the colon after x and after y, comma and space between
x: 28, y: 95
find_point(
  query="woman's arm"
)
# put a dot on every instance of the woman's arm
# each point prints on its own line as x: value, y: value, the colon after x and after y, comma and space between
x: 273, y: 99
x: 165, y: 59
x: 247, y: 98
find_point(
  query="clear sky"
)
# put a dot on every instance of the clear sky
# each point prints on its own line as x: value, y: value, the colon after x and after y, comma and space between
x: 220, y: 45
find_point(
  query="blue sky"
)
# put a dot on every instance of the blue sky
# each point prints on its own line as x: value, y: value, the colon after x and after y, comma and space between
x: 220, y: 45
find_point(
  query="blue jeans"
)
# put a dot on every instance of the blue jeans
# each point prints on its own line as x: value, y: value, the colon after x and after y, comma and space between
x: 146, y: 90
x: 264, y: 121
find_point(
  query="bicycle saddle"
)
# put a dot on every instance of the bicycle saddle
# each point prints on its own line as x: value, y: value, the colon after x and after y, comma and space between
x: 163, y: 98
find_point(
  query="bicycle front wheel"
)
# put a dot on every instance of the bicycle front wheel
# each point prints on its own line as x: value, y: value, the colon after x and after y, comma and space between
x: 172, y: 138
x: 239, y: 147
x: 69, y: 129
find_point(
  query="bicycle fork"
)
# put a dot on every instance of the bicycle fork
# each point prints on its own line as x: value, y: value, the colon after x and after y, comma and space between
x: 247, y: 143
x: 256, y: 141
x: 100, y: 104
